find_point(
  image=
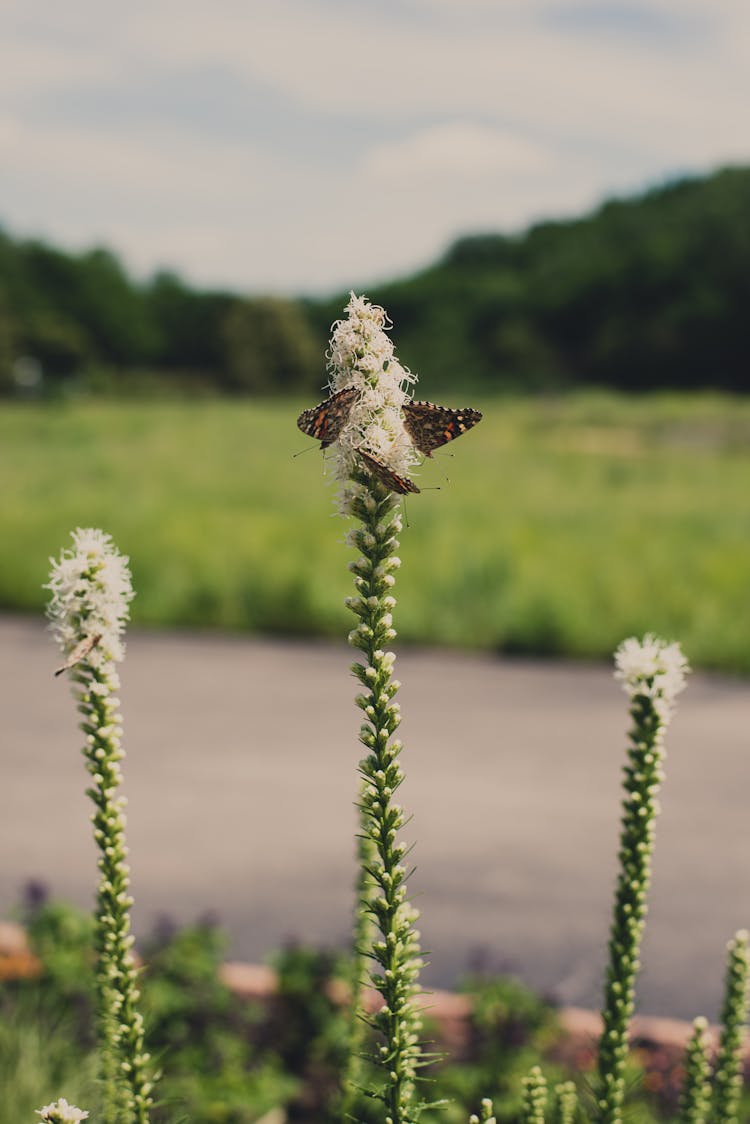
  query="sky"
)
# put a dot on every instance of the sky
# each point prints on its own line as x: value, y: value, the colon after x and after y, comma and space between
x: 312, y: 146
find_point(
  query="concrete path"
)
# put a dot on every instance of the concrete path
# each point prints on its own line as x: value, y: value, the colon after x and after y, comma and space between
x: 241, y: 780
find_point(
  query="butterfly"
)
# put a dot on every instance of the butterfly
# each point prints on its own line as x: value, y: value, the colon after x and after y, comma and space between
x: 325, y: 421
x: 401, y: 484
x: 431, y: 426
x: 79, y: 653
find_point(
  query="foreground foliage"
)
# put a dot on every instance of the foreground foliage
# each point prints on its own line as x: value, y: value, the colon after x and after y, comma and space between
x: 232, y: 1061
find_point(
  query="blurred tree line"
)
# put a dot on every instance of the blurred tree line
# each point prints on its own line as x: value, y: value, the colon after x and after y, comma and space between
x: 648, y: 292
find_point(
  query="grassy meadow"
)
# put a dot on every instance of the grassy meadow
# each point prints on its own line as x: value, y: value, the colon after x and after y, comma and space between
x: 556, y: 527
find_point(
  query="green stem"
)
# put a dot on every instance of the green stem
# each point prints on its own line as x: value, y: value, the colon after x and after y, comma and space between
x: 534, y: 1097
x: 127, y: 1085
x: 362, y: 939
x: 642, y: 779
x: 395, y: 952
x: 728, y: 1073
x: 696, y: 1090
x: 567, y: 1102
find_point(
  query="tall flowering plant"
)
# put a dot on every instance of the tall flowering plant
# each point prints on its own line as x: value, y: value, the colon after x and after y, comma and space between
x: 653, y: 674
x: 362, y: 359
x: 90, y: 593
x: 380, y: 435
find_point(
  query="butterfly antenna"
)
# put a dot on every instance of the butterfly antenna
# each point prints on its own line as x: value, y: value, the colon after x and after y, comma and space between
x: 308, y: 449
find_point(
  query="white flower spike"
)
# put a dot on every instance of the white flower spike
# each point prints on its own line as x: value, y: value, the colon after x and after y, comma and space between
x: 361, y: 355
x: 60, y: 1112
x: 91, y: 589
x: 653, y: 668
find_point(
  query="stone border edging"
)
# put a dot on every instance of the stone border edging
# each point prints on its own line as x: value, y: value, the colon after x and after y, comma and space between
x: 450, y: 1011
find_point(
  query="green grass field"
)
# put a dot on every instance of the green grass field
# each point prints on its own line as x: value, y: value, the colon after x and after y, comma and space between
x: 556, y: 527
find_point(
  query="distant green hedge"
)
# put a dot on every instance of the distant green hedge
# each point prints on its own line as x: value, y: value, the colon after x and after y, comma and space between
x: 645, y: 293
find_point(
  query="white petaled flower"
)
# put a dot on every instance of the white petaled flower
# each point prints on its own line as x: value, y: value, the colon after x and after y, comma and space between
x: 62, y: 1113
x: 653, y: 668
x: 91, y: 590
x: 362, y: 355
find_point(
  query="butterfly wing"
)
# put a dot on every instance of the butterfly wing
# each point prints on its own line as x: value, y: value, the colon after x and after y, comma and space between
x: 431, y: 426
x: 401, y: 484
x: 80, y: 652
x: 325, y: 421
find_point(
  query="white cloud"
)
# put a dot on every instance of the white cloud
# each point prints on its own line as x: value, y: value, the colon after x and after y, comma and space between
x: 459, y: 150
x: 434, y: 118
x: 36, y: 67
x: 366, y: 65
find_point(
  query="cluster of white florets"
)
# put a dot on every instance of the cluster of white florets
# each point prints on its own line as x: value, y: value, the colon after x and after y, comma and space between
x: 653, y: 668
x: 91, y: 590
x: 362, y: 355
x: 60, y: 1112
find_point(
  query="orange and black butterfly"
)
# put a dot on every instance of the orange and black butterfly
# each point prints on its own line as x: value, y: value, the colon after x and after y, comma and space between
x: 401, y: 484
x: 325, y: 421
x: 431, y: 426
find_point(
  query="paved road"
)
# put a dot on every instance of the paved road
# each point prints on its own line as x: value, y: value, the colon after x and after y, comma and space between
x: 241, y: 779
